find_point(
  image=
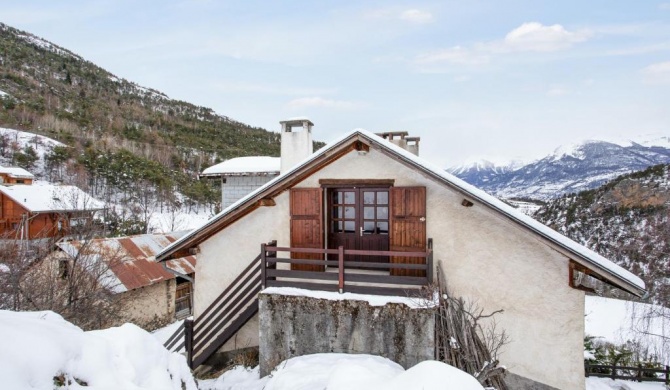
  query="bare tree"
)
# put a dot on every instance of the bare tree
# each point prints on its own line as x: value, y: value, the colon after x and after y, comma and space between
x: 469, y: 338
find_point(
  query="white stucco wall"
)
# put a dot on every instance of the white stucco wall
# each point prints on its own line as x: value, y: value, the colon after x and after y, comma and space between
x: 485, y: 257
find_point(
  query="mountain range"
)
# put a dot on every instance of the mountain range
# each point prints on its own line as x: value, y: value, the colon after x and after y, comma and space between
x: 578, y: 167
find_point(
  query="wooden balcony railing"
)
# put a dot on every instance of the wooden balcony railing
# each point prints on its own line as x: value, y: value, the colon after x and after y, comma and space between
x: 346, y: 276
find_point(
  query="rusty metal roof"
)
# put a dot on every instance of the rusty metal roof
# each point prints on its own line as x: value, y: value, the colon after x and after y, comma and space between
x: 130, y: 262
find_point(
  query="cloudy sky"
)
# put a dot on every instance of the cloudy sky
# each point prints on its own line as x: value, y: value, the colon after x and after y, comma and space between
x: 493, y: 79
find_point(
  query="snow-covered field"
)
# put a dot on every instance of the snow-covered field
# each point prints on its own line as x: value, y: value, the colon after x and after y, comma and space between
x: 43, y: 351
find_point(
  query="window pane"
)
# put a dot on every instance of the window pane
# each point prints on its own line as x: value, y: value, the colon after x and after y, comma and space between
x: 382, y: 213
x: 368, y: 227
x: 349, y: 198
x: 382, y: 197
x: 349, y: 212
x: 383, y: 227
x: 369, y: 212
x: 369, y: 197
x: 337, y: 197
x: 349, y: 227
x: 337, y: 227
x: 337, y: 212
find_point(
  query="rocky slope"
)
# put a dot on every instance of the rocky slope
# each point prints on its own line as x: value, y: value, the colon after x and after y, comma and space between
x: 626, y: 220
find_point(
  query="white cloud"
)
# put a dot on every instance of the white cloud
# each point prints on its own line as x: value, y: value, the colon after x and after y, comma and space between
x: 534, y: 36
x: 664, y: 6
x: 411, y: 15
x: 529, y: 37
x: 454, y: 55
x: 323, y: 103
x: 416, y: 16
x: 658, y: 73
x: 557, y: 91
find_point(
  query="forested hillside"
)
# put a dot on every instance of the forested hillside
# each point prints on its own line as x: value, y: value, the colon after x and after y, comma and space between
x: 118, y: 134
x: 626, y: 220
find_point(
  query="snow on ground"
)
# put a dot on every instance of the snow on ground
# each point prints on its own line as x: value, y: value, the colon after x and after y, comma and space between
x: 608, y: 384
x: 3, y: 93
x: 335, y: 371
x: 42, y: 345
x: 618, y: 321
x: 373, y: 300
x: 170, y: 222
x: 42, y: 145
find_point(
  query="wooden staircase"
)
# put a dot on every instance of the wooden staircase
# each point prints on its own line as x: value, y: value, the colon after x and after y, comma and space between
x: 233, y: 308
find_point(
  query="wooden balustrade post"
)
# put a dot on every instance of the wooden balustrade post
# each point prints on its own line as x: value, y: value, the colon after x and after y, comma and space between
x: 667, y: 375
x: 188, y: 341
x: 639, y: 372
x: 340, y: 265
x: 429, y: 262
x: 587, y: 369
x: 263, y: 266
x: 613, y: 372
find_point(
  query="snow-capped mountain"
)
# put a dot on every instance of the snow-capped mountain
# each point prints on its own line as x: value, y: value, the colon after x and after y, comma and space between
x: 569, y: 169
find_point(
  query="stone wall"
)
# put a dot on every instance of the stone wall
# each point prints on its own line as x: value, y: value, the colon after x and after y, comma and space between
x: 295, y: 325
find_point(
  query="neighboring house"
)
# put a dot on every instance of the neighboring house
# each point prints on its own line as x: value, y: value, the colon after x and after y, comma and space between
x: 242, y: 175
x: 150, y: 294
x: 44, y: 210
x: 367, y: 192
x: 15, y: 175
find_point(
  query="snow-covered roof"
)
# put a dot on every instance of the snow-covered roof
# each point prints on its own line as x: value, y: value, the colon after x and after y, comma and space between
x: 604, y: 267
x: 17, y: 172
x: 49, y: 197
x: 241, y: 166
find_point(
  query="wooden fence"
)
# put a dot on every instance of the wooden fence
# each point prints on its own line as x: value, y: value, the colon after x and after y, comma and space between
x: 348, y: 276
x: 639, y: 373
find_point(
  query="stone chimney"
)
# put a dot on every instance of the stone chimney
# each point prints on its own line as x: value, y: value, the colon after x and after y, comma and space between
x: 400, y: 138
x: 296, y: 142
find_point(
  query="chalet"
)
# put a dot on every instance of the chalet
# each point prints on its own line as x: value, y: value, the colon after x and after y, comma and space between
x: 15, y: 175
x: 367, y: 202
x: 151, y: 294
x: 44, y: 210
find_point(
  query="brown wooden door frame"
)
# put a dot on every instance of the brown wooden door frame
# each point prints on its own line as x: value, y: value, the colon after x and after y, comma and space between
x: 357, y: 217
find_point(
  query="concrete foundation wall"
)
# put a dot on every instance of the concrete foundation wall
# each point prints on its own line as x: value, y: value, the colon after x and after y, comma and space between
x: 294, y: 326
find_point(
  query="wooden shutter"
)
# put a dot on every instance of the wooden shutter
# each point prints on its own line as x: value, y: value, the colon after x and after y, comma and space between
x: 306, y: 229
x: 408, y: 226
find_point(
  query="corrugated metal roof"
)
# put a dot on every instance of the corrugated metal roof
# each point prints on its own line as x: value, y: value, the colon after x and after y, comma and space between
x: 131, y: 260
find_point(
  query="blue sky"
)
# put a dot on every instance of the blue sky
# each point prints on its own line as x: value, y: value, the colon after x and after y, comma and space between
x: 492, y: 79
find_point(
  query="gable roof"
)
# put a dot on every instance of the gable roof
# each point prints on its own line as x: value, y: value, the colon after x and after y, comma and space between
x: 359, y: 138
x: 40, y: 198
x: 17, y: 173
x: 131, y: 259
x: 243, y: 166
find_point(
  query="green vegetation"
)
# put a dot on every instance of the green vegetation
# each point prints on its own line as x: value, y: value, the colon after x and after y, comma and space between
x: 118, y: 131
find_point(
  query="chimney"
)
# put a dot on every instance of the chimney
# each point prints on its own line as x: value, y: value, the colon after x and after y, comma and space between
x: 296, y: 142
x: 400, y: 138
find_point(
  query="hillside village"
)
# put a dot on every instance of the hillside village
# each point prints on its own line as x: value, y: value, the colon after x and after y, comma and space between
x: 348, y: 264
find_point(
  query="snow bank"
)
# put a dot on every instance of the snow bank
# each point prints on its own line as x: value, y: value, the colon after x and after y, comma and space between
x: 336, y: 371
x: 43, y: 345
